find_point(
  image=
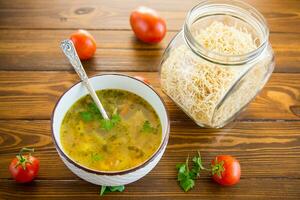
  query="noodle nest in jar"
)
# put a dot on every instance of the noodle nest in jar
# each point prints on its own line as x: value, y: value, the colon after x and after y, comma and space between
x: 198, y: 85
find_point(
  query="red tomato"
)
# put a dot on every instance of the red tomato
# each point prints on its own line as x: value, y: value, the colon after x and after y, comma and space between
x: 226, y: 170
x: 24, y: 168
x: 84, y: 43
x: 147, y: 25
x: 142, y: 79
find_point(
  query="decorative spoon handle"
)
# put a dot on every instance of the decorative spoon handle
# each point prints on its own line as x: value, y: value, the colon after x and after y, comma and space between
x: 69, y: 50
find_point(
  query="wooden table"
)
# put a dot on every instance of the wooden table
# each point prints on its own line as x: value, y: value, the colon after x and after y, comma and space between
x: 34, y: 73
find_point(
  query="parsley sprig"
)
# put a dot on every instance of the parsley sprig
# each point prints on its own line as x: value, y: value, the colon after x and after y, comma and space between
x: 106, y: 189
x: 92, y: 112
x: 148, y: 128
x: 108, y: 124
x: 187, y: 176
x: 86, y: 116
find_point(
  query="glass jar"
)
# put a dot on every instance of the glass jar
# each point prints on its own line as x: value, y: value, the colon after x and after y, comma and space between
x: 211, y: 85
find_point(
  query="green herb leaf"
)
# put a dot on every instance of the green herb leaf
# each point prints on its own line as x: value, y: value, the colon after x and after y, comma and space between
x: 186, y: 176
x: 197, y: 167
x: 115, y: 119
x: 96, y: 157
x: 92, y: 107
x: 86, y: 116
x: 181, y: 171
x: 108, y: 124
x: 181, y: 167
x: 105, y: 189
x: 147, y: 127
x: 120, y: 188
x: 187, y: 184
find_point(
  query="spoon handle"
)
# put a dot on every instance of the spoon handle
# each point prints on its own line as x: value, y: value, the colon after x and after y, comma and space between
x: 69, y: 50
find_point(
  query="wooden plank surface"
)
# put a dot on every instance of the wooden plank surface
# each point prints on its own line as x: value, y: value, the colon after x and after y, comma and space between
x: 117, y: 51
x: 113, y: 14
x: 34, y: 73
x: 266, y: 147
x: 271, y: 155
x: 152, y: 188
x: 261, y: 163
x: 34, y: 95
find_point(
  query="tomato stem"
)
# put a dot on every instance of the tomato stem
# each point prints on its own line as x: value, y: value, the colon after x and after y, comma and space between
x: 25, y: 149
x: 217, y: 168
x: 22, y: 160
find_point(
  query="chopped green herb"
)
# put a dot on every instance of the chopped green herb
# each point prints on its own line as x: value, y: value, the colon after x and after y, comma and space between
x: 186, y: 176
x: 115, y: 118
x: 86, y: 116
x: 96, y: 157
x: 108, y: 124
x: 105, y: 189
x: 147, y: 128
x: 197, y: 166
x: 120, y: 188
x: 92, y: 107
x: 92, y: 112
x: 187, y: 184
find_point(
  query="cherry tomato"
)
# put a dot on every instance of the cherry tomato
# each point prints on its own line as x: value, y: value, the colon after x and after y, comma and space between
x: 24, y: 168
x: 226, y: 170
x: 84, y: 43
x: 147, y: 25
x: 142, y: 79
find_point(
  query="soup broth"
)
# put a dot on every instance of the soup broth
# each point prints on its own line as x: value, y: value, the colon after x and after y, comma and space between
x: 129, y: 138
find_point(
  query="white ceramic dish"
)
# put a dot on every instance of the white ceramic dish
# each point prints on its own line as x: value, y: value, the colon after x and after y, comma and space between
x: 111, y: 81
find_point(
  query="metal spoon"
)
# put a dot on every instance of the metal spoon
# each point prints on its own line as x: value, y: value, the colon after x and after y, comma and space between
x: 69, y: 50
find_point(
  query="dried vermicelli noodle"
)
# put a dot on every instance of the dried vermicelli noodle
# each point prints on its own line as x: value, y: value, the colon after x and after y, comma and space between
x: 198, y: 85
x: 225, y: 39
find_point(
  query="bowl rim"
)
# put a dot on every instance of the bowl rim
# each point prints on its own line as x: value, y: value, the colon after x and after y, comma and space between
x: 113, y: 173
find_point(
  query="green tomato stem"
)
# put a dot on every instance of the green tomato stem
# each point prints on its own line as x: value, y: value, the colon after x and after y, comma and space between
x: 25, y: 149
x: 22, y: 161
x: 217, y: 168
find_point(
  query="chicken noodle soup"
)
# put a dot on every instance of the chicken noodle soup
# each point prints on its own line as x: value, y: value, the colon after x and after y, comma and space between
x: 130, y: 137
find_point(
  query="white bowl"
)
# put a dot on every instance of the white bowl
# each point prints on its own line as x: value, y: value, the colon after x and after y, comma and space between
x: 110, y: 81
